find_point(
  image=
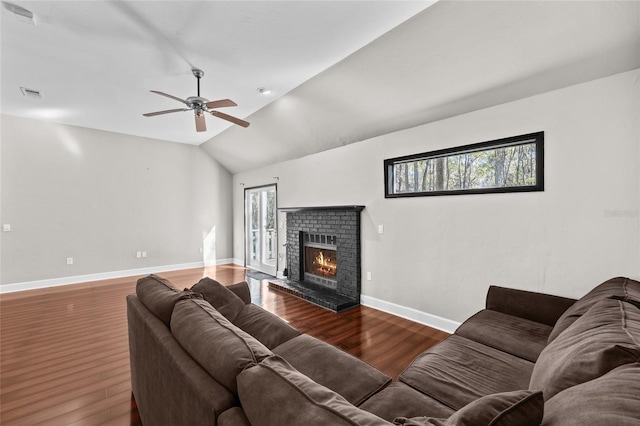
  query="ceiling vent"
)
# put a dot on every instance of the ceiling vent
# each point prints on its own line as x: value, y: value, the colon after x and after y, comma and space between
x: 22, y: 14
x: 30, y: 93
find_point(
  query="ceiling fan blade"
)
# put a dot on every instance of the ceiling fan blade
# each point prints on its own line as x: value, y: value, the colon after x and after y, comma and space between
x: 169, y: 96
x: 201, y: 125
x: 221, y: 103
x: 167, y: 111
x: 230, y: 118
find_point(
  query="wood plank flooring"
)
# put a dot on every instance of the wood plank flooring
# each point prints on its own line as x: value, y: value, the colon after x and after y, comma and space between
x: 64, y: 355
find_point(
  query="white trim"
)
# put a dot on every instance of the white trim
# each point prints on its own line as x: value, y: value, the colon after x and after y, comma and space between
x: 54, y: 282
x: 409, y: 313
x: 236, y: 261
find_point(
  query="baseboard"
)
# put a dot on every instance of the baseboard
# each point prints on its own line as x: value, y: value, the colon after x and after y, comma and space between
x: 54, y: 282
x: 430, y: 320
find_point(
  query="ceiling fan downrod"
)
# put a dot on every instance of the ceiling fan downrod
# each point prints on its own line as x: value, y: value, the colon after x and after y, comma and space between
x: 198, y: 74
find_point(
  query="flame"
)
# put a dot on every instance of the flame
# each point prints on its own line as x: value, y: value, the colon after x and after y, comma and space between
x: 325, y: 265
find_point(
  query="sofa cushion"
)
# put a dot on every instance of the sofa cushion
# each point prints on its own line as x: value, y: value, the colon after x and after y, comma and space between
x: 274, y: 393
x: 159, y: 296
x: 516, y: 408
x: 218, y: 346
x: 619, y: 287
x: 341, y: 372
x: 610, y: 400
x: 233, y: 417
x: 605, y: 337
x: 518, y: 336
x: 224, y: 300
x: 458, y: 371
x: 268, y: 328
x: 399, y: 399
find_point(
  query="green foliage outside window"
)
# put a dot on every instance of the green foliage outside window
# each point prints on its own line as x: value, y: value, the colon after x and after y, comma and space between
x: 506, y: 165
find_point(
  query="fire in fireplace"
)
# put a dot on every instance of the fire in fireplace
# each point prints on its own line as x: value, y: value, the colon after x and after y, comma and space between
x: 320, y: 262
x: 319, y: 256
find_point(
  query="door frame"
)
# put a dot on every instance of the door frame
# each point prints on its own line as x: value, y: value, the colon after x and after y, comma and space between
x: 245, y: 230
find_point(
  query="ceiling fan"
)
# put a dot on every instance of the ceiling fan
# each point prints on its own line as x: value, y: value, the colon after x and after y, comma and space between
x: 199, y: 106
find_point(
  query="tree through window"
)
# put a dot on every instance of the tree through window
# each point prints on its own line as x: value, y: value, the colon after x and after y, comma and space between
x: 514, y: 164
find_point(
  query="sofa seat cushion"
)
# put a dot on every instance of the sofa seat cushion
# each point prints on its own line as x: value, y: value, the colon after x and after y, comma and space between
x: 398, y: 399
x: 274, y: 393
x: 268, y: 328
x: 218, y: 346
x: 220, y: 297
x: 159, y: 296
x: 619, y: 287
x: 327, y: 365
x: 605, y: 337
x: 516, y: 408
x: 610, y: 400
x: 458, y: 371
x: 517, y: 336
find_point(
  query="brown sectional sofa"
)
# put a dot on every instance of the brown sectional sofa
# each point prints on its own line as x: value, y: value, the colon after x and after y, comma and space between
x: 208, y: 356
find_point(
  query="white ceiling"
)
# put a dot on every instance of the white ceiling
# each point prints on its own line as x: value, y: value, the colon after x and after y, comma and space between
x: 95, y: 61
x: 339, y: 75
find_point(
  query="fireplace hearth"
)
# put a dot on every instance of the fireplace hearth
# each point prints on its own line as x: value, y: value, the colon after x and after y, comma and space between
x: 323, y: 255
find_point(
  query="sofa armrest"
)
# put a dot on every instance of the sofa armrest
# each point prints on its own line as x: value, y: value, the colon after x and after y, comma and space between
x: 539, y: 307
x: 242, y: 291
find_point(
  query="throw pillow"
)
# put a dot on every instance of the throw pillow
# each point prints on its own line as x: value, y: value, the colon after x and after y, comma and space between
x: 602, y: 339
x: 610, y: 400
x: 218, y: 346
x: 159, y: 296
x: 618, y: 286
x: 516, y: 408
x: 224, y: 300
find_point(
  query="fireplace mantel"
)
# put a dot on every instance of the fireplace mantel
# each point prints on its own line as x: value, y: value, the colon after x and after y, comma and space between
x: 354, y: 208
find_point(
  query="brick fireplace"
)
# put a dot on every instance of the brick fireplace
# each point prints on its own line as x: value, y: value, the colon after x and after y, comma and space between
x: 323, y: 255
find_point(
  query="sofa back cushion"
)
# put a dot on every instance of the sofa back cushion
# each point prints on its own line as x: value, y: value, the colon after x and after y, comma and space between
x: 268, y: 328
x: 619, y: 287
x: 217, y: 345
x: 275, y: 393
x: 159, y: 296
x: 610, y: 400
x: 605, y: 337
x: 220, y: 297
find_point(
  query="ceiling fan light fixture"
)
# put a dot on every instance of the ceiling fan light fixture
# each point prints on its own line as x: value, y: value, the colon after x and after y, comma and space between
x: 264, y: 91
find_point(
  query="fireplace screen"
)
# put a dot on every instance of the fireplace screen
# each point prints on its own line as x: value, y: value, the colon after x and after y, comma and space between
x: 320, y: 262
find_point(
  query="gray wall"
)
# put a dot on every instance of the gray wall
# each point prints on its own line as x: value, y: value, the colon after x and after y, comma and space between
x: 439, y: 254
x: 100, y: 197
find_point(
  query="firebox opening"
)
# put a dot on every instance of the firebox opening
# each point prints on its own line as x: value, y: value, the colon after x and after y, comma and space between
x: 320, y: 262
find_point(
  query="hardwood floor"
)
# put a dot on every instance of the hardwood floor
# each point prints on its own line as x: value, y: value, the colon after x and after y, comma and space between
x: 64, y: 356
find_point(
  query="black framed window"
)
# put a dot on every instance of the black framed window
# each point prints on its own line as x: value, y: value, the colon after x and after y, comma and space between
x: 514, y: 164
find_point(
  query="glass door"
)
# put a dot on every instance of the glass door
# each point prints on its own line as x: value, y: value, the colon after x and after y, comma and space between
x: 261, y: 232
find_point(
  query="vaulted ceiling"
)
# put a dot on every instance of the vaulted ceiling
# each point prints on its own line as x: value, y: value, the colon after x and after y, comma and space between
x: 341, y: 72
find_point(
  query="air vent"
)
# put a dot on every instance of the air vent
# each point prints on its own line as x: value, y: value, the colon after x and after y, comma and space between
x: 30, y: 93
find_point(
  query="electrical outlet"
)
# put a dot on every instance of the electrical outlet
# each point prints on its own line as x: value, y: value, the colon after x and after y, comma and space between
x: 144, y: 254
x: 6, y: 227
x: 69, y: 260
x: 369, y: 276
x: 380, y: 229
x: 138, y: 254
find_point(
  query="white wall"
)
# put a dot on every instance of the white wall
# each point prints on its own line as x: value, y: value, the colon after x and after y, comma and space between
x: 100, y: 197
x: 439, y: 254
